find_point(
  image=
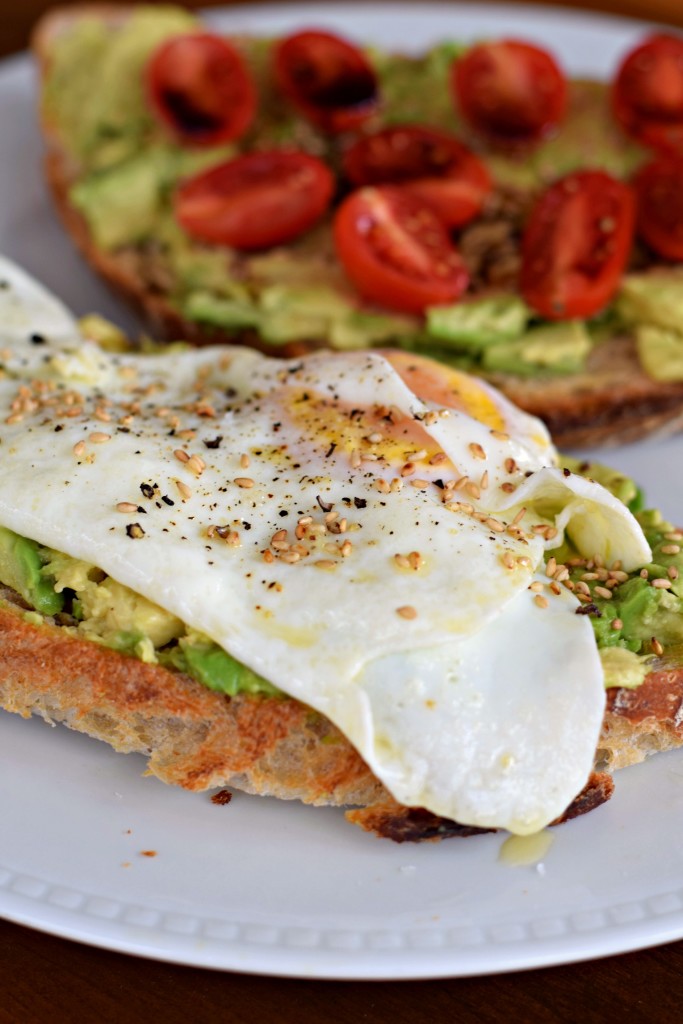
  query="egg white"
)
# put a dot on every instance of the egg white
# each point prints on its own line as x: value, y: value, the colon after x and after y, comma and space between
x: 459, y: 691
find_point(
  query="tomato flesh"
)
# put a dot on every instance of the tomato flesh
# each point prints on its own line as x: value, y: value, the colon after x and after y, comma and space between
x: 255, y: 201
x: 510, y: 91
x: 647, y: 95
x: 576, y: 245
x: 434, y: 166
x: 200, y: 88
x: 660, y: 206
x: 328, y: 79
x: 396, y: 250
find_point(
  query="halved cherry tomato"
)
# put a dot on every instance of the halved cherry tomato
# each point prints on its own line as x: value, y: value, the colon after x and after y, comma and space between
x: 328, y: 79
x: 576, y: 245
x: 510, y: 91
x: 199, y: 87
x: 396, y: 250
x: 257, y: 200
x: 660, y: 206
x: 432, y: 165
x: 647, y: 95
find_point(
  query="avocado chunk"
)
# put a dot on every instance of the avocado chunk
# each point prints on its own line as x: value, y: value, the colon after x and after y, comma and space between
x: 214, y: 668
x: 651, y: 305
x: 623, y: 668
x: 480, y: 323
x: 660, y: 351
x: 556, y: 348
x: 654, y: 297
x: 21, y: 568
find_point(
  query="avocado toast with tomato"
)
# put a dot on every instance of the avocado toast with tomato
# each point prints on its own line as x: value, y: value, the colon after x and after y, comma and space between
x: 217, y: 231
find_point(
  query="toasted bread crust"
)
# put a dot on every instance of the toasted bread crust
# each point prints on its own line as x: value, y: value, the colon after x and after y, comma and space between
x: 199, y: 739
x: 612, y: 401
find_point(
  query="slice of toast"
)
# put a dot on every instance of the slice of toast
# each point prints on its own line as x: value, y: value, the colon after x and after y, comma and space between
x: 612, y: 400
x: 273, y: 746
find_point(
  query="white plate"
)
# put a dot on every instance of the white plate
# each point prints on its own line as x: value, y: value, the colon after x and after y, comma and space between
x: 268, y: 887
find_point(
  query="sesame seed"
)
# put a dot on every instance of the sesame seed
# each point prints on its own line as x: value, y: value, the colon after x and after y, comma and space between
x: 536, y: 586
x: 184, y: 490
x: 196, y: 465
x: 375, y: 438
x: 79, y: 448
x: 436, y: 459
x: 484, y: 482
x: 396, y: 485
x: 268, y: 556
x: 644, y: 574
x: 541, y: 601
x: 510, y: 466
x: 346, y: 548
x: 382, y: 486
x: 420, y: 485
x: 244, y: 481
x: 472, y: 490
x: 330, y: 517
x: 657, y: 647
x: 500, y: 435
x: 245, y: 461
x: 660, y: 584
x: 181, y: 455
x: 495, y: 525
x: 415, y: 560
x: 476, y: 451
x: 556, y: 588
x: 617, y: 624
x: 126, y: 506
x: 551, y: 567
x: 99, y: 438
x: 508, y: 488
x: 670, y: 549
x: 290, y: 557
x: 604, y: 592
x: 562, y: 574
x: 407, y: 469
x: 672, y: 572
x: 402, y: 561
x: 355, y: 460
x: 508, y: 560
x: 325, y: 563
x: 406, y: 611
x: 305, y: 520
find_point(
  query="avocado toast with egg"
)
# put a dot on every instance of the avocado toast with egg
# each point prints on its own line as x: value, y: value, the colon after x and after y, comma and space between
x: 356, y: 579
x: 115, y: 165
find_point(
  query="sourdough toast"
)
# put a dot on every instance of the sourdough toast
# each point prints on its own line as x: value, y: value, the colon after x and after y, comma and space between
x: 610, y: 399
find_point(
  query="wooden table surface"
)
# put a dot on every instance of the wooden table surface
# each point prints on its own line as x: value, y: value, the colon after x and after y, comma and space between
x: 49, y: 979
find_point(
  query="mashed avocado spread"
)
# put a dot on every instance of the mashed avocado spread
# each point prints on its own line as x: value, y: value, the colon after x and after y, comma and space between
x: 631, y: 618
x: 129, y: 167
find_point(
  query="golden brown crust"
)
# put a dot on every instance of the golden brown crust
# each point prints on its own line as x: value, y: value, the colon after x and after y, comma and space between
x: 611, y: 402
x: 193, y: 737
x: 199, y: 739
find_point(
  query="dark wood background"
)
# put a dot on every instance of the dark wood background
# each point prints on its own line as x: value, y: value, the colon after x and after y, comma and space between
x: 44, y: 979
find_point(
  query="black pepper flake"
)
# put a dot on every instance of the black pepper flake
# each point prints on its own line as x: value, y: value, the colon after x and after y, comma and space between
x: 37, y: 339
x: 360, y: 502
x: 283, y: 512
x: 439, y: 483
x: 213, y: 442
x: 58, y: 428
x: 135, y: 531
x: 567, y: 472
x: 166, y: 500
x: 246, y: 525
x: 326, y: 506
x: 147, y: 490
x: 330, y: 450
x: 589, y: 609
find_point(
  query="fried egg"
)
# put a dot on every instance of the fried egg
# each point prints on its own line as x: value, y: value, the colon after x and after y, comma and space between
x: 361, y: 529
